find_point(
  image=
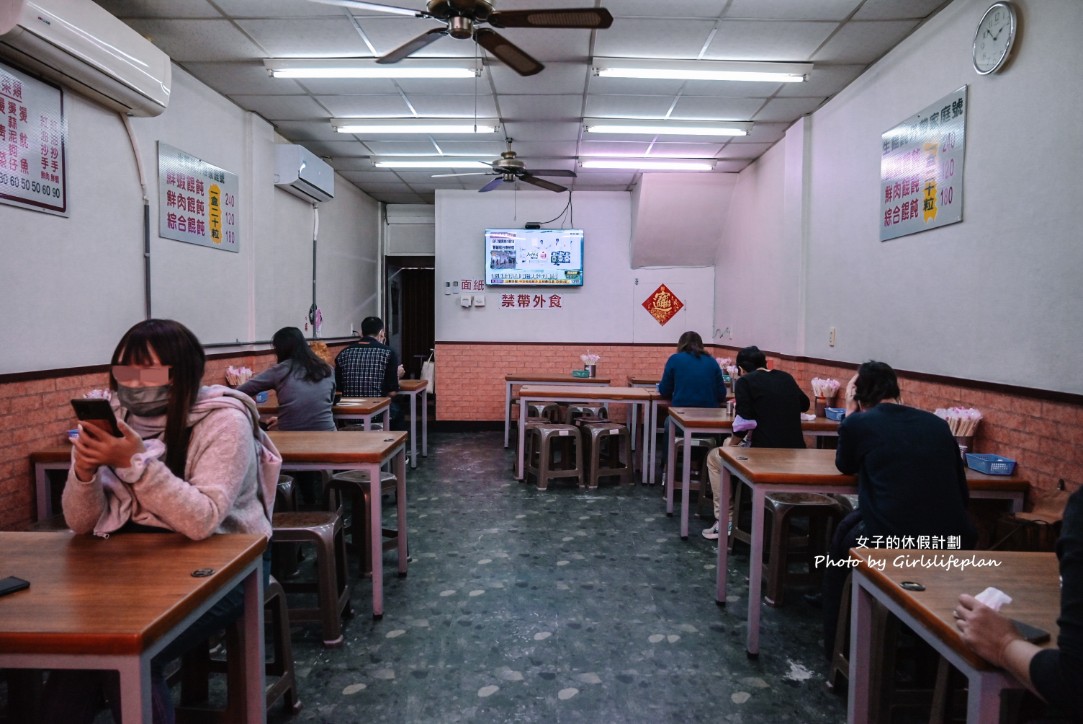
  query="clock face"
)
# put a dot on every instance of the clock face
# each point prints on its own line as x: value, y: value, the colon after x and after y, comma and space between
x: 994, y: 38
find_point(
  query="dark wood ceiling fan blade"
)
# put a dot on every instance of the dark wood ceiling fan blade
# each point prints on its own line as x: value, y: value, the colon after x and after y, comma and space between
x: 375, y: 7
x: 553, y: 172
x: 491, y: 185
x: 412, y: 46
x: 542, y: 183
x: 593, y: 18
x: 506, y: 52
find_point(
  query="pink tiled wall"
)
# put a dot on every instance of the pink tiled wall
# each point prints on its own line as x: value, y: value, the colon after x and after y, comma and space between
x: 1044, y: 436
x: 36, y: 414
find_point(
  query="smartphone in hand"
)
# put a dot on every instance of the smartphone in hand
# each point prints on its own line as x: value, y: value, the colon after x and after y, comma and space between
x: 1032, y: 634
x: 97, y: 412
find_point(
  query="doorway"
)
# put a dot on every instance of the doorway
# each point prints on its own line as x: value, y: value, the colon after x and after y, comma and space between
x: 411, y: 310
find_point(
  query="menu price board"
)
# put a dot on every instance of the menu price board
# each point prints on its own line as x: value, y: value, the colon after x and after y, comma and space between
x: 197, y: 201
x: 921, y: 169
x: 33, y: 138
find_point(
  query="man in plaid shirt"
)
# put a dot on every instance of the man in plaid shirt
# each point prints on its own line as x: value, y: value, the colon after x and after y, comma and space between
x: 369, y: 368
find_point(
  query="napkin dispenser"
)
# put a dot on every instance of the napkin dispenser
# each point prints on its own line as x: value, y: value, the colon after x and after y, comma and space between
x: 580, y: 373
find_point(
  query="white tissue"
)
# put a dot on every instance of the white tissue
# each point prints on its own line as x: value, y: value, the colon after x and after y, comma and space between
x: 994, y: 598
x: 805, y: 417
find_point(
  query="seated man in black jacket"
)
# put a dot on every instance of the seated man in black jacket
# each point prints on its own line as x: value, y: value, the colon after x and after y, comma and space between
x: 910, y: 478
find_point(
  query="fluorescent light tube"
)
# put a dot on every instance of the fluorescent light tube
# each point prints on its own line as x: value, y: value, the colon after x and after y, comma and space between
x: 666, y: 128
x: 701, y: 70
x: 646, y: 164
x: 393, y: 126
x: 368, y: 68
x: 430, y: 163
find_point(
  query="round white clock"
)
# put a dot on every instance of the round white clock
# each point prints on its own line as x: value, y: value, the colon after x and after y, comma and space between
x: 994, y: 38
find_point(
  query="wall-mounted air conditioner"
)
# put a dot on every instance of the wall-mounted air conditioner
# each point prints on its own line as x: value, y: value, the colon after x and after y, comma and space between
x: 303, y: 174
x: 79, y: 45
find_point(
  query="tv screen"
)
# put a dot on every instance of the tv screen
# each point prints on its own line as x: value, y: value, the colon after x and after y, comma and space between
x: 534, y: 257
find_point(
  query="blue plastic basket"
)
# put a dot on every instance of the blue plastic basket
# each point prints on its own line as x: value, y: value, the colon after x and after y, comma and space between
x: 990, y: 464
x: 834, y: 413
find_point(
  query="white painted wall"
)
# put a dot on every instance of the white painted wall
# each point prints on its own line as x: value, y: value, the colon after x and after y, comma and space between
x: 71, y: 286
x: 678, y: 217
x: 606, y: 309
x: 995, y: 297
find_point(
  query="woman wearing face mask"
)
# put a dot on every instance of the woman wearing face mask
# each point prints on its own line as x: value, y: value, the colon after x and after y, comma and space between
x: 192, y: 460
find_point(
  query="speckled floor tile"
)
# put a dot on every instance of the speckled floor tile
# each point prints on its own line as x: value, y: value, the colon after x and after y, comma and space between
x: 555, y: 606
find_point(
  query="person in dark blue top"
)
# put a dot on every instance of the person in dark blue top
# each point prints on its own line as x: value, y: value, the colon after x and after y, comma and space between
x: 692, y: 378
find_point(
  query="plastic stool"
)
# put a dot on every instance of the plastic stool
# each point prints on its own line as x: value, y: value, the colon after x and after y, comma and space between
x: 324, y: 530
x: 354, y: 484
x: 197, y: 666
x: 549, y: 410
x: 541, y: 462
x: 576, y: 411
x: 782, y: 546
x: 610, y: 452
x: 697, y: 479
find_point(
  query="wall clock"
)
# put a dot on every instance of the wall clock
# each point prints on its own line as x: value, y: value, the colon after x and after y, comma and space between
x: 994, y: 38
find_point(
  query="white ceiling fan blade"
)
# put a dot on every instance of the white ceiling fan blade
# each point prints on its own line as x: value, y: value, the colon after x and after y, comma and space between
x: 375, y: 7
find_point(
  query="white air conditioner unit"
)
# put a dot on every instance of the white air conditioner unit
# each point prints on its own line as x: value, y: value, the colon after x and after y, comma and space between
x: 78, y: 44
x: 301, y: 173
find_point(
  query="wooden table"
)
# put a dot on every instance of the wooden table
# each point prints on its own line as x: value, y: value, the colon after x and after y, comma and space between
x: 115, y: 603
x: 535, y: 380
x: 365, y: 451
x: 576, y: 393
x: 776, y: 470
x: 412, y: 388
x: 1029, y: 578
x: 707, y: 420
x: 349, y: 409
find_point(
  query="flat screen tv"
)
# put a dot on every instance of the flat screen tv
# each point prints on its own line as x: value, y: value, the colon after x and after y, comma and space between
x: 534, y: 257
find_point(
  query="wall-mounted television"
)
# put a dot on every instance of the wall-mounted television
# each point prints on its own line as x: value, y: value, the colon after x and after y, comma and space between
x: 534, y: 257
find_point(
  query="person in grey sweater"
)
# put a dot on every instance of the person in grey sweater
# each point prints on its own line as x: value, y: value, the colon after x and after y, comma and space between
x: 303, y: 383
x: 190, y: 459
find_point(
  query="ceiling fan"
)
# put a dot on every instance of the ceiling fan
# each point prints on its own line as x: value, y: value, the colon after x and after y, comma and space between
x: 508, y: 169
x: 461, y: 16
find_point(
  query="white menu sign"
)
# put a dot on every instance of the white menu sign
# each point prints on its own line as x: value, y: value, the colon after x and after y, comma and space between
x: 33, y: 137
x: 921, y: 169
x: 197, y: 202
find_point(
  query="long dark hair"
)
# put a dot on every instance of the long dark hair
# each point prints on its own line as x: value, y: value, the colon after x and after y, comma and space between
x: 290, y: 344
x: 177, y: 347
x: 691, y: 343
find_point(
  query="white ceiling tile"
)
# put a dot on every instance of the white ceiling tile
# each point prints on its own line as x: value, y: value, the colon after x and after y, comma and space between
x: 685, y: 150
x: 242, y: 77
x: 894, y: 10
x: 284, y: 108
x: 864, y: 42
x: 779, y: 41
x: 767, y: 132
x: 276, y: 9
x: 526, y: 108
x: 126, y: 9
x: 449, y: 106
x: 615, y: 178
x: 297, y: 37
x: 591, y: 147
x: 475, y: 149
x: 794, y: 9
x: 743, y: 150
x: 786, y: 109
x: 725, y: 109
x: 402, y: 148
x: 668, y: 9
x: 654, y: 39
x: 199, y: 40
x: 557, y: 78
x: 545, y: 149
x: 388, y: 32
x: 302, y: 131
x: 628, y: 106
x: 732, y: 166
x: 550, y: 44
x: 349, y: 86
x: 554, y: 131
x: 732, y: 89
x: 367, y: 106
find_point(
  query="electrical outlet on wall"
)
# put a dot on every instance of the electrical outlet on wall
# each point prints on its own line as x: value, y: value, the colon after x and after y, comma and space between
x: 831, y: 337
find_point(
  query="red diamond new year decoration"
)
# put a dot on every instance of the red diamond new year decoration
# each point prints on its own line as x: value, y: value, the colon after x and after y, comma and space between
x: 663, y: 304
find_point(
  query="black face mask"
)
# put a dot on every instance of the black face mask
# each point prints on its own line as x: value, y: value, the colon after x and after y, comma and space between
x: 144, y: 401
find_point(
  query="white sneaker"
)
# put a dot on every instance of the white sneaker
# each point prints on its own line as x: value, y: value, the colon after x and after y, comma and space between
x: 712, y: 532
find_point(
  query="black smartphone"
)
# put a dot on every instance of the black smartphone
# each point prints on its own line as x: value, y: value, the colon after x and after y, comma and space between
x: 97, y: 412
x: 1032, y: 634
x: 11, y: 584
